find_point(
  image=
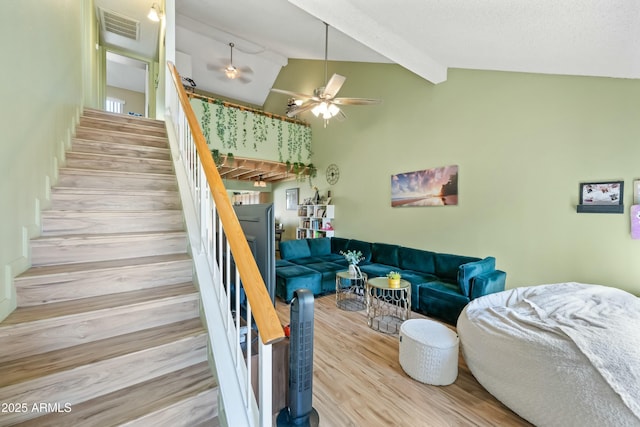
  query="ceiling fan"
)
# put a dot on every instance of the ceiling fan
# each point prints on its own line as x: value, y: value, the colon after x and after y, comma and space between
x: 323, y: 102
x: 231, y: 72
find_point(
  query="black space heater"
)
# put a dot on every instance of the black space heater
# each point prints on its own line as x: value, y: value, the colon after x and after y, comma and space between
x: 300, y: 412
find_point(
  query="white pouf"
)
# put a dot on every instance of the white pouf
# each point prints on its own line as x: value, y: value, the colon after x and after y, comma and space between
x: 429, y: 351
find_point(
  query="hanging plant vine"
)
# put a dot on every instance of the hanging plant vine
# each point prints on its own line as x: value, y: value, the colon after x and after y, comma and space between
x: 232, y: 130
x: 306, y: 137
x: 312, y: 173
x: 279, y: 136
x: 245, y: 115
x: 232, y: 127
x: 259, y: 130
x: 206, y: 121
x: 295, y: 144
x: 220, y: 122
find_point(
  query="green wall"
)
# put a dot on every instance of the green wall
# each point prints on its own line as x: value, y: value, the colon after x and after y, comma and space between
x: 523, y: 143
x: 42, y: 92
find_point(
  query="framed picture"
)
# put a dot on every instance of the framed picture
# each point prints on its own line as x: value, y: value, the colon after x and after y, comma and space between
x: 636, y: 192
x: 292, y: 199
x: 601, y: 197
x: 429, y: 187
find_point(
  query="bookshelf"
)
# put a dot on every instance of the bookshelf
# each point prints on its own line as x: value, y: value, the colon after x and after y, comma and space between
x: 315, y: 221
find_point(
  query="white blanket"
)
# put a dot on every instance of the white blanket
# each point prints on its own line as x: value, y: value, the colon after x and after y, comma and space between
x: 576, y: 349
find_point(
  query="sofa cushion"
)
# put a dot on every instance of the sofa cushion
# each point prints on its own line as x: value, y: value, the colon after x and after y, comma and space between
x: 417, y: 260
x: 294, y: 277
x: 338, y: 244
x: 337, y: 258
x: 290, y: 249
x: 442, y: 300
x: 359, y: 245
x: 306, y: 260
x: 416, y: 279
x: 471, y: 269
x: 320, y: 246
x: 283, y: 263
x: 447, y: 265
x: 383, y: 253
x: 327, y: 269
x: 376, y: 269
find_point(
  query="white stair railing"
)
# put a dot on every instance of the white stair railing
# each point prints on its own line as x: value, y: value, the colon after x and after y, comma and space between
x: 224, y: 267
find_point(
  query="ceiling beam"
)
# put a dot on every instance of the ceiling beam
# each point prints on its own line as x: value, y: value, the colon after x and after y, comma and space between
x: 350, y: 17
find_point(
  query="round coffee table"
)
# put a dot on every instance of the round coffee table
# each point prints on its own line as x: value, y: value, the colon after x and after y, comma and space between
x: 387, y: 307
x: 350, y: 291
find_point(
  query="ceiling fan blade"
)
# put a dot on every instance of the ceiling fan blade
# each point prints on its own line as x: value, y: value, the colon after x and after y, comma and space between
x: 297, y: 95
x: 243, y: 79
x: 356, y: 101
x: 245, y: 70
x: 301, y: 108
x: 333, y: 86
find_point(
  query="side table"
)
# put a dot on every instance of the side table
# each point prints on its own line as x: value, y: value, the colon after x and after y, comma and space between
x: 350, y: 291
x: 387, y: 307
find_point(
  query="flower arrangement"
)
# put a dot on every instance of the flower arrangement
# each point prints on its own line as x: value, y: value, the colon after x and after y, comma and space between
x: 352, y: 257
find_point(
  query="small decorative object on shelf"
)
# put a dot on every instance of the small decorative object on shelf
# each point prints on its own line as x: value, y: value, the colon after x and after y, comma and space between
x: 315, y: 221
x: 394, y: 279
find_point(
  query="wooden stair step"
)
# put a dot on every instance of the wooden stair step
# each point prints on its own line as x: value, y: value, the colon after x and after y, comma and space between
x: 106, y: 135
x: 122, y: 118
x: 56, y: 283
x: 199, y: 411
x: 108, y: 316
x: 78, y: 198
x: 186, y: 397
x: 86, y: 178
x: 57, y: 223
x: 135, y: 128
x: 102, y: 247
x: 79, y: 374
x: 117, y: 163
x: 120, y: 149
x: 38, y: 329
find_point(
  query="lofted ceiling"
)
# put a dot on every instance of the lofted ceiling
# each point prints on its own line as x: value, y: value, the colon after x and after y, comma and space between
x: 569, y: 37
x: 572, y: 37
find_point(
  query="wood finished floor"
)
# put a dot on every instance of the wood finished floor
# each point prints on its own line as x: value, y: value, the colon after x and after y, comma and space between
x: 358, y: 380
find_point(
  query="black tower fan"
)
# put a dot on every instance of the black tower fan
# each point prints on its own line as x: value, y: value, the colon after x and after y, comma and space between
x: 300, y: 412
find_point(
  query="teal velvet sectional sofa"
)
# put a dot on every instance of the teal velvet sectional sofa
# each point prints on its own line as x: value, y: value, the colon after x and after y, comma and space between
x: 441, y: 284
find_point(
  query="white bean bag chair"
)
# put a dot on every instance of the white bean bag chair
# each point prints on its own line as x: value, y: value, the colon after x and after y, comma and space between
x: 565, y: 354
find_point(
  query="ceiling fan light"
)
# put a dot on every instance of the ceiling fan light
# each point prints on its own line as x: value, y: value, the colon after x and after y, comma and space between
x: 231, y: 72
x: 298, y: 102
x: 332, y: 110
x: 320, y: 109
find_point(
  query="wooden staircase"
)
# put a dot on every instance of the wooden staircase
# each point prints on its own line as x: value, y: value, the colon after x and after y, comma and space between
x: 107, y: 330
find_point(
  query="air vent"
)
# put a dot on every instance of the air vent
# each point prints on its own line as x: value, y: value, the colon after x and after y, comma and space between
x: 121, y: 25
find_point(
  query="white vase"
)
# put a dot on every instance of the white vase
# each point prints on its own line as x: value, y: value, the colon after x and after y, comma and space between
x: 354, y: 271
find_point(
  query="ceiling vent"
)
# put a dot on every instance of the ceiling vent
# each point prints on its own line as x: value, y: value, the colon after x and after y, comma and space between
x: 121, y: 25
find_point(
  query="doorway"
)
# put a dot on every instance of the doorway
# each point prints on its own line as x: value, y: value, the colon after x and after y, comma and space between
x: 127, y: 85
